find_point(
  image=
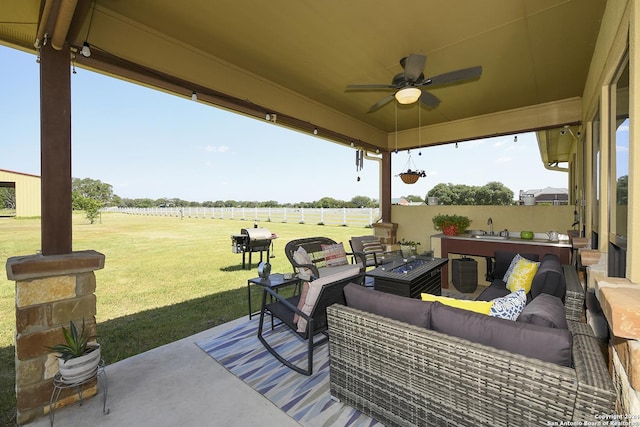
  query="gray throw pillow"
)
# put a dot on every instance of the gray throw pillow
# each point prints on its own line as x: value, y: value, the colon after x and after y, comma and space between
x: 404, y: 309
x: 549, y: 278
x: 545, y: 310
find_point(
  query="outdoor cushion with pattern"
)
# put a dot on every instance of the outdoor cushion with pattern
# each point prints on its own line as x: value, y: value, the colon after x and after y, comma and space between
x: 370, y: 248
x: 522, y: 275
x: 503, y: 260
x: 510, y: 306
x: 334, y: 255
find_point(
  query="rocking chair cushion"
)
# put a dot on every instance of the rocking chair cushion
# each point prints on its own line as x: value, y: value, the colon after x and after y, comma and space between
x: 314, y: 290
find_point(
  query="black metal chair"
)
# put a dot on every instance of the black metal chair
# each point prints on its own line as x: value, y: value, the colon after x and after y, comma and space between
x: 285, y: 309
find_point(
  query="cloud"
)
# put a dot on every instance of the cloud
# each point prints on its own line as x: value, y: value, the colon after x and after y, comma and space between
x: 503, y: 159
x: 621, y: 148
x: 213, y: 149
x: 623, y: 128
x: 208, y: 164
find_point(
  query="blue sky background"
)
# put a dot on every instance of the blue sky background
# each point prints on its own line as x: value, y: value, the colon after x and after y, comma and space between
x: 147, y: 143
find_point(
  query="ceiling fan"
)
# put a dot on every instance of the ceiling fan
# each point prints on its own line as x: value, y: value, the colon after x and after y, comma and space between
x: 408, y: 85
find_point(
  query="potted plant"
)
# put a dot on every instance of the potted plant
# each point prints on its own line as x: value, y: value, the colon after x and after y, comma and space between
x: 409, y: 247
x: 78, y: 358
x: 451, y: 225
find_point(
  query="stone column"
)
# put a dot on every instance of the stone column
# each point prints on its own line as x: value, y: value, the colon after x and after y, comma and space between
x: 50, y: 292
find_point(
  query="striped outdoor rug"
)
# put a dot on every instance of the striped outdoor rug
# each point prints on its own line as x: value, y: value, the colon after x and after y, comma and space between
x: 305, y: 399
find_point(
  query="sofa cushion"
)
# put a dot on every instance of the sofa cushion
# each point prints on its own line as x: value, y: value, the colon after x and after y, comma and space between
x: 503, y: 260
x: 408, y: 310
x: 521, y: 277
x: 496, y: 289
x: 548, y: 344
x: 509, y: 306
x: 550, y: 278
x: 328, y: 271
x: 545, y: 310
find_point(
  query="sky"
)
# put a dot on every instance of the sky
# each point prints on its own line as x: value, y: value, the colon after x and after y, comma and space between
x: 150, y: 144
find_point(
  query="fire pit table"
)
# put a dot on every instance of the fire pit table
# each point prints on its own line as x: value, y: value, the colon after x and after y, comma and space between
x: 409, y: 277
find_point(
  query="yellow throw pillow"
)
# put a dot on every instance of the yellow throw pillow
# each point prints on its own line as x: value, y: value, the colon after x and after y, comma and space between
x: 522, y: 275
x: 482, y: 307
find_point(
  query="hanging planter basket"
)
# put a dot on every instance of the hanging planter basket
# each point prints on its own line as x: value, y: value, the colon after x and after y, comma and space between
x: 409, y: 177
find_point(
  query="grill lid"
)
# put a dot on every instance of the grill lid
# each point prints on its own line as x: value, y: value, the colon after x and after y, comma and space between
x: 257, y: 233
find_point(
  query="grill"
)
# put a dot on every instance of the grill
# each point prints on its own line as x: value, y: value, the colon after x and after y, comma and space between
x: 251, y: 240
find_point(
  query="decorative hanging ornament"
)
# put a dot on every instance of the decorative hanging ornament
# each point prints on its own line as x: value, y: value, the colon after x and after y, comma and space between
x: 359, y: 162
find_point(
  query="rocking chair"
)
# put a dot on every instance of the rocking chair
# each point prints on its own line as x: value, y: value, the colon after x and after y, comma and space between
x: 311, y: 318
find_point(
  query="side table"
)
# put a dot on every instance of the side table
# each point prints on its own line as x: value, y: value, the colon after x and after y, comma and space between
x: 274, y: 281
x: 59, y: 385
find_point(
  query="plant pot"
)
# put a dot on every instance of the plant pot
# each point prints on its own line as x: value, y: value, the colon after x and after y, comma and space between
x: 409, y: 177
x: 450, y: 230
x: 81, y: 368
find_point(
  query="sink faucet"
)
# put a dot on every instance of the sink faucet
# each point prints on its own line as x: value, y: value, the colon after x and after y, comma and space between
x: 490, y: 224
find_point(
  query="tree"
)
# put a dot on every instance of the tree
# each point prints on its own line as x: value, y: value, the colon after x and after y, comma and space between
x: 7, y: 198
x: 94, y: 189
x: 362, y: 202
x: 493, y: 193
x: 622, y: 190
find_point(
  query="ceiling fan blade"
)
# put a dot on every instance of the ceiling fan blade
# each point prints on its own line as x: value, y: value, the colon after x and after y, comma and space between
x: 373, y: 86
x: 380, y: 103
x: 453, y: 76
x: 413, y: 66
x: 429, y: 99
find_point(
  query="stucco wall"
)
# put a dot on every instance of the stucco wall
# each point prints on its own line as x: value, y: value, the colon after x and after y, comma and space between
x: 414, y: 222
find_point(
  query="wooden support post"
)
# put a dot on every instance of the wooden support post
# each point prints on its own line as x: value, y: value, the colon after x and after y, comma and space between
x: 55, y: 146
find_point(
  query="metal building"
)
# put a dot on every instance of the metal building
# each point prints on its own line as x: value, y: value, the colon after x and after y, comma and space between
x: 27, y: 189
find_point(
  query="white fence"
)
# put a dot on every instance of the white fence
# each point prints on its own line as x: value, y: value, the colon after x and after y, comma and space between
x: 357, y: 217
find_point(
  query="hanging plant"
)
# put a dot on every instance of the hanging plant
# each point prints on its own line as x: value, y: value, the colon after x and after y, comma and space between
x: 411, y: 176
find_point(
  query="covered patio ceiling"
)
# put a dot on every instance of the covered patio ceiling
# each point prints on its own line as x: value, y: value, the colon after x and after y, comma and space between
x: 295, y: 58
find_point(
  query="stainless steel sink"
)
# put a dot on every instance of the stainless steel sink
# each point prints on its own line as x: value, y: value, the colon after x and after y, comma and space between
x: 490, y: 237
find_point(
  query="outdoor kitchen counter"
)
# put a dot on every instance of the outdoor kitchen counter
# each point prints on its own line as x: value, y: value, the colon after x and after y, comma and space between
x: 468, y: 245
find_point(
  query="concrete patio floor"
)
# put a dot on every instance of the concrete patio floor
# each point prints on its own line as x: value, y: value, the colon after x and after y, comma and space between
x: 176, y: 384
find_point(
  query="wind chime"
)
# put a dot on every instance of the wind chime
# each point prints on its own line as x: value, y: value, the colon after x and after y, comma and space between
x: 359, y: 162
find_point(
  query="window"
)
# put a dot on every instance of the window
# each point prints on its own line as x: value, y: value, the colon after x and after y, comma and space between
x: 619, y: 170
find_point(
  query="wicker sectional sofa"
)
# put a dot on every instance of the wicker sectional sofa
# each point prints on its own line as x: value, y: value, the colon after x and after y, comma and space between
x: 391, y: 360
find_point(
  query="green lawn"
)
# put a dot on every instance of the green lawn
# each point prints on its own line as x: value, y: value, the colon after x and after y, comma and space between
x: 164, y: 279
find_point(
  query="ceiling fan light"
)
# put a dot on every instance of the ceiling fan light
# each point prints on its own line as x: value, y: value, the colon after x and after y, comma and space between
x: 86, y: 50
x: 408, y: 95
